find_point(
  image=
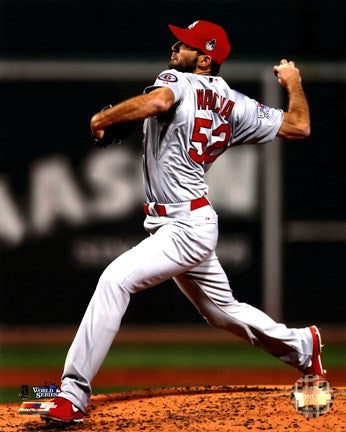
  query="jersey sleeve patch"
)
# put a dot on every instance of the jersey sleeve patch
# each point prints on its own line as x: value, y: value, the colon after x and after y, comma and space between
x: 263, y: 111
x: 168, y: 77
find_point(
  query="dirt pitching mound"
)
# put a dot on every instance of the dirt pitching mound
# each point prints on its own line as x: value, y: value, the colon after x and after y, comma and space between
x: 189, y: 409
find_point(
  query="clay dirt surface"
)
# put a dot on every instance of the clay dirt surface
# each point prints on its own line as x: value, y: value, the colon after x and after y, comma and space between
x: 245, y: 405
x: 189, y: 409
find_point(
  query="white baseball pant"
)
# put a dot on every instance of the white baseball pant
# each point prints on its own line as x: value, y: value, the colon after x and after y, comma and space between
x: 182, y: 248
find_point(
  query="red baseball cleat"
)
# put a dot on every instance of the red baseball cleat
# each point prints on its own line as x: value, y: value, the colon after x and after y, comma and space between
x: 315, y: 366
x: 62, y: 410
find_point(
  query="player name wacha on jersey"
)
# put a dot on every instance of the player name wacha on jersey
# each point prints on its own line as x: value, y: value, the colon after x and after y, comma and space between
x: 207, y: 99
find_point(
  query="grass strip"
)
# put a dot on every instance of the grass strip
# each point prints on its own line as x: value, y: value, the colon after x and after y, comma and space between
x: 160, y: 356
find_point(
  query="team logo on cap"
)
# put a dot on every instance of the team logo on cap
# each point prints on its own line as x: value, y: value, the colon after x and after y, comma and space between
x: 210, y: 45
x: 167, y: 77
x: 191, y: 26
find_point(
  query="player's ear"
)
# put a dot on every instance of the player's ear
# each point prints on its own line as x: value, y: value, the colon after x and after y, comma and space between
x: 204, y: 61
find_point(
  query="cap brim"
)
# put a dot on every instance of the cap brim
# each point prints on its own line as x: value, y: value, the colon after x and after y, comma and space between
x: 181, y: 34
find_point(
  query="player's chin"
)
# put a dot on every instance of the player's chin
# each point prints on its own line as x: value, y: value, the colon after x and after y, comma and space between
x: 172, y: 64
x: 181, y: 67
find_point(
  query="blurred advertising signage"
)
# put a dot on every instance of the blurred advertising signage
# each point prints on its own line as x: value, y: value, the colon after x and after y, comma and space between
x: 108, y: 186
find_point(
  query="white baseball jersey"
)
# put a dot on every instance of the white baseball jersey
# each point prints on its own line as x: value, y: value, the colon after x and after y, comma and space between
x: 207, y: 118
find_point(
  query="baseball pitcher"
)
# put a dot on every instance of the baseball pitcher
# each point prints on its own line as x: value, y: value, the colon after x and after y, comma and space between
x: 191, y: 116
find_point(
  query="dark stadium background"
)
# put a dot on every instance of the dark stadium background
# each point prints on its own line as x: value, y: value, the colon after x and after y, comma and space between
x: 39, y: 279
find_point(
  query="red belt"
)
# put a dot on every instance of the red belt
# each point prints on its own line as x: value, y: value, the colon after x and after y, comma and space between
x: 162, y: 211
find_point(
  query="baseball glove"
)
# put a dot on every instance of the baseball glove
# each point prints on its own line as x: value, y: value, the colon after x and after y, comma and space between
x: 114, y: 134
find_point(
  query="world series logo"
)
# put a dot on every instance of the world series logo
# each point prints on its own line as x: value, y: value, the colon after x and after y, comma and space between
x: 48, y: 390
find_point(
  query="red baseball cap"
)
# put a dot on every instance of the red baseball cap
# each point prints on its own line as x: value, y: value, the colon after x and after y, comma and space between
x: 206, y: 36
